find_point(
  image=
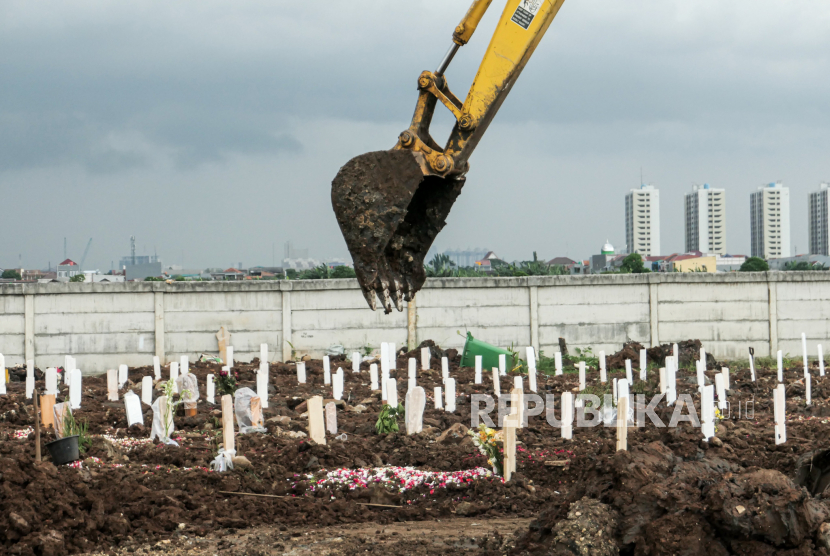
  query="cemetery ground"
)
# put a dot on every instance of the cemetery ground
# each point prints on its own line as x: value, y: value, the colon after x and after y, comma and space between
x: 429, y: 493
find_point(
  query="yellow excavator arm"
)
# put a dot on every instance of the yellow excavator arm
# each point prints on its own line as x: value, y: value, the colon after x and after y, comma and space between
x: 522, y: 25
x: 391, y: 204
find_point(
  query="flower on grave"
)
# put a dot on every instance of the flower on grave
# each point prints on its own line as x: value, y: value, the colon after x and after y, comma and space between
x: 488, y: 442
x: 223, y: 372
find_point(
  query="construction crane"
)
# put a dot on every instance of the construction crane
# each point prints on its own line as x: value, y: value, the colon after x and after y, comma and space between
x: 86, y: 252
x: 391, y: 204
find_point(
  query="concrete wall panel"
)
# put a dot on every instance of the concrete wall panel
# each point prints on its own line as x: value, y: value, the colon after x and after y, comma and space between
x: 93, y: 323
x: 593, y: 314
x: 593, y: 295
x: 234, y: 321
x: 94, y: 303
x: 711, y: 311
x: 222, y: 301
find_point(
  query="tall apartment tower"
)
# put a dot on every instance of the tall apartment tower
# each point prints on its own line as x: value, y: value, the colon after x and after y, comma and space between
x: 706, y: 220
x: 769, y: 209
x: 820, y: 221
x: 642, y: 221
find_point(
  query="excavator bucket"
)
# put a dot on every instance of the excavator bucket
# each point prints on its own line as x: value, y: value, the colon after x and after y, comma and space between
x: 390, y: 213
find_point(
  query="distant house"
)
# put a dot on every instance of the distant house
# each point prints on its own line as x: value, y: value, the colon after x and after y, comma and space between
x: 488, y: 262
x: 67, y: 269
x: 562, y: 261
x: 228, y: 274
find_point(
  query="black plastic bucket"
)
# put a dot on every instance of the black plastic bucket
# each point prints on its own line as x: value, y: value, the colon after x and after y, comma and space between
x: 64, y: 450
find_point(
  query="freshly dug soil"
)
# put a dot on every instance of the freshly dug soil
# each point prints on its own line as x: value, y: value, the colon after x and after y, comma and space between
x: 669, y: 493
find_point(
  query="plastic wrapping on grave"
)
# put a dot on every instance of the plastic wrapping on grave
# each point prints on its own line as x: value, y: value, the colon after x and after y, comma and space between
x: 242, y: 408
x: 335, y: 349
x: 158, y: 425
x: 190, y: 383
x: 59, y: 413
x: 223, y: 461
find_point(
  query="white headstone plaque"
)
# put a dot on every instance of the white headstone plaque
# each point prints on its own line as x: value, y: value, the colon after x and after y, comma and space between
x: 301, y: 372
x: 478, y: 370
x: 147, y: 390
x: 331, y: 418
x: 184, y: 366
x: 392, y: 392
x: 603, y: 372
x: 123, y: 375
x: 503, y: 364
x: 51, y: 381
x: 445, y: 368
x: 132, y: 403
x: 112, y: 385
x: 326, y: 370
x: 557, y: 362
x: 415, y: 404
x: 643, y: 365
x: 75, y: 389
x: 337, y: 384
x: 373, y: 376
x: 229, y: 355
x: 449, y: 402
x: 262, y: 380
x: 157, y: 368
x: 496, y: 385
x: 356, y: 362
x: 425, y: 358
x: 438, y: 397
x: 316, y: 423
x: 211, y: 390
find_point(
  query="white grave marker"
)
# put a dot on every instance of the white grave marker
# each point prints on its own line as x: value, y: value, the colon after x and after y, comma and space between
x: 262, y: 380
x: 726, y: 382
x: 581, y: 376
x: 211, y: 390
x: 804, y: 353
x: 174, y: 375
x: 75, y: 389
x: 675, y: 353
x: 337, y: 384
x: 392, y: 392
x: 263, y: 353
x: 2, y: 374
x: 496, y: 385
x: 416, y: 401
x: 503, y: 364
x: 702, y: 358
x: 671, y: 381
x: 316, y: 424
x: 567, y: 415
x: 808, y: 387
x: 68, y: 367
x: 820, y: 361
x: 438, y: 397
x: 445, y: 368
x: 413, y: 369
x: 478, y: 370
x: 780, y: 412
x: 719, y: 386
x: 780, y: 366
x: 132, y: 404
x: 425, y: 358
x: 147, y: 390
x: 557, y: 361
x: 622, y: 424
x: 373, y: 375
x: 517, y: 383
x: 184, y: 366
x: 51, y: 381
x: 301, y: 372
x: 30, y: 379
x: 157, y: 367
x: 701, y: 380
x: 531, y: 369
x: 384, y: 364
x: 229, y: 354
x: 662, y: 380
x: 331, y: 418
x: 449, y: 402
x: 123, y: 375
x: 112, y: 385
x: 629, y: 376
x: 707, y: 412
x: 326, y: 370
x: 752, y: 364
x: 614, y: 389
x: 603, y: 373
x: 643, y: 365
x: 355, y: 362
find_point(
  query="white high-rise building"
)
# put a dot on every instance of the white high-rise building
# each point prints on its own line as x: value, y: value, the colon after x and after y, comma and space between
x: 706, y: 220
x: 642, y: 221
x: 820, y: 221
x: 769, y: 209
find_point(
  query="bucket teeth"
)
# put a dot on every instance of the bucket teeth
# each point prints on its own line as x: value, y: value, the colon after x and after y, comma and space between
x: 389, y: 214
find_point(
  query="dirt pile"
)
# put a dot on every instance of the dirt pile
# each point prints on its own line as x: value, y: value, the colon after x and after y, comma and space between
x: 688, y: 351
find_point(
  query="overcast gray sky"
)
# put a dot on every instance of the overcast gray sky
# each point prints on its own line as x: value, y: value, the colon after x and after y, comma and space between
x: 211, y: 130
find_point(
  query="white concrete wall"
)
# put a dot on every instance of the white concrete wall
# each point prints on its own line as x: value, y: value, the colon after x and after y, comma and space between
x: 103, y: 325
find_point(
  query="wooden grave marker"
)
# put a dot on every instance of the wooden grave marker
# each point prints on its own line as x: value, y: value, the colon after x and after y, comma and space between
x: 256, y: 412
x: 316, y: 424
x: 331, y: 418
x: 416, y: 401
x: 112, y: 385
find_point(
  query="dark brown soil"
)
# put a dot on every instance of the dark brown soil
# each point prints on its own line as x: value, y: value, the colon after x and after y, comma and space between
x: 669, y: 494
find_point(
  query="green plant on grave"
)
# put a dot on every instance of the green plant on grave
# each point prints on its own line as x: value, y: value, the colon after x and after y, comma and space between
x: 167, y: 416
x: 226, y: 382
x: 587, y: 355
x: 71, y: 427
x: 293, y: 351
x: 367, y: 350
x: 388, y: 419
